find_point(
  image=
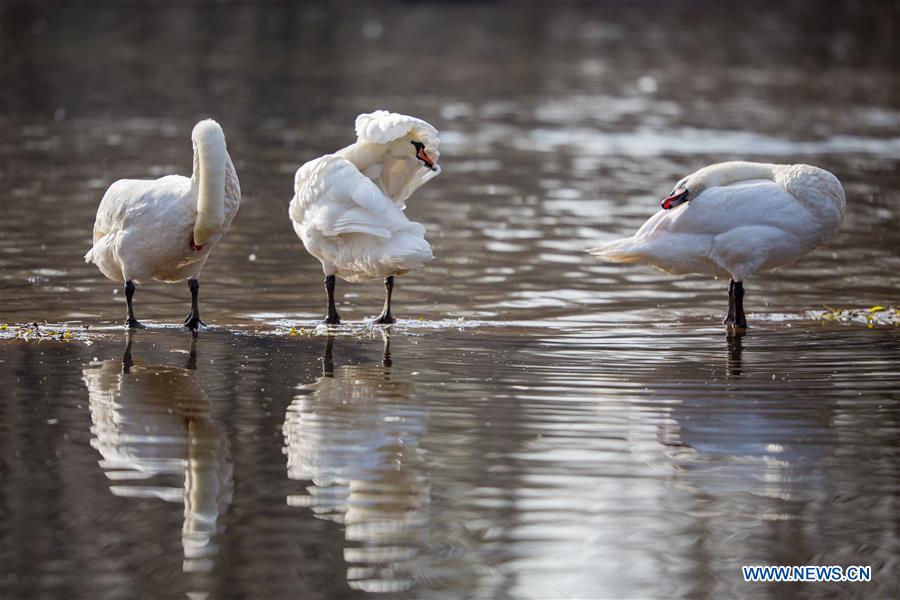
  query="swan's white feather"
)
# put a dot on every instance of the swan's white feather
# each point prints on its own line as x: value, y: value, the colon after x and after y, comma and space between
x: 144, y: 228
x: 352, y: 220
x: 381, y: 127
x: 346, y: 222
x: 398, y: 178
x: 740, y: 228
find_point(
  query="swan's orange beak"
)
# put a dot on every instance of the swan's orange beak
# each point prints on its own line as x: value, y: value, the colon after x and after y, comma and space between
x: 679, y: 196
x: 421, y: 155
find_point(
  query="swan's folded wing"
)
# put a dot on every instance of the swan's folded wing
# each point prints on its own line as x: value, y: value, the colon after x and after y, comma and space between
x: 335, y: 198
x: 358, y: 220
x: 129, y: 199
x: 110, y: 213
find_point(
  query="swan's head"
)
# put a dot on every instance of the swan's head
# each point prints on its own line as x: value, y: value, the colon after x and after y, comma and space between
x: 712, y: 176
x: 401, y: 136
x: 409, y: 146
x: 207, y: 134
x: 690, y: 187
x: 680, y: 194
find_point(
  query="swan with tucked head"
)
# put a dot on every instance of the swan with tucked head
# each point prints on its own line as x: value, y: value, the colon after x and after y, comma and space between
x: 164, y: 229
x: 735, y: 219
x: 348, y: 206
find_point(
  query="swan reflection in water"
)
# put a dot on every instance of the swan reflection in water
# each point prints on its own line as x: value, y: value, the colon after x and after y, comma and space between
x: 152, y: 423
x: 352, y: 435
x: 742, y: 441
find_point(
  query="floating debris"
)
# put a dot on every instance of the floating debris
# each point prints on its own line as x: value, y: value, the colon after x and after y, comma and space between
x: 37, y: 332
x: 876, y: 316
x: 293, y: 331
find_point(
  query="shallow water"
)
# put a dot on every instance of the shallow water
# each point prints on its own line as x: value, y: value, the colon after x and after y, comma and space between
x: 539, y: 424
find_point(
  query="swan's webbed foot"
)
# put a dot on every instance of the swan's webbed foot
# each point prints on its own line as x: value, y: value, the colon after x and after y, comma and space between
x: 740, y: 323
x: 132, y: 323
x: 385, y: 319
x: 735, y: 324
x: 193, y: 322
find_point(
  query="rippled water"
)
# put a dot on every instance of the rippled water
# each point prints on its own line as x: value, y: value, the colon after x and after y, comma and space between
x: 539, y: 424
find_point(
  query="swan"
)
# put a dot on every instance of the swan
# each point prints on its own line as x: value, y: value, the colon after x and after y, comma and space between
x: 164, y: 229
x: 736, y: 218
x: 348, y: 206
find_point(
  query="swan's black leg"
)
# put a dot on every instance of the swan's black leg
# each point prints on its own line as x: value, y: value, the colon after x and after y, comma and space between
x: 130, y: 321
x: 740, y: 320
x: 333, y: 317
x: 729, y: 320
x: 193, y: 319
x: 386, y: 318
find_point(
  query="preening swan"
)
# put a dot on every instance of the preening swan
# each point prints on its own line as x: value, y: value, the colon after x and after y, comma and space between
x: 348, y: 206
x: 164, y: 229
x: 736, y: 218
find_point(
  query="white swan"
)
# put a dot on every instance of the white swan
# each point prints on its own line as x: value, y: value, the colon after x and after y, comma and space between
x: 348, y: 206
x: 736, y: 218
x: 164, y: 229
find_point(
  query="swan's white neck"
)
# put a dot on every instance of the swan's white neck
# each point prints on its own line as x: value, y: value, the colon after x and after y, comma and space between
x: 732, y: 172
x: 210, y: 159
x: 364, y: 154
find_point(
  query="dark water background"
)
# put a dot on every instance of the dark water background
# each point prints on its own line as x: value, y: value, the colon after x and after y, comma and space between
x: 539, y: 424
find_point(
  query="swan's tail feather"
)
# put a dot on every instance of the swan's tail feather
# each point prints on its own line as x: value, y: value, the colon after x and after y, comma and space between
x: 411, y: 260
x: 625, y: 250
x: 408, y: 252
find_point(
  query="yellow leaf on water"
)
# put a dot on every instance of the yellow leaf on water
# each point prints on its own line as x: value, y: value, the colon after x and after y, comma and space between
x: 876, y: 308
x: 4, y: 327
x: 293, y: 331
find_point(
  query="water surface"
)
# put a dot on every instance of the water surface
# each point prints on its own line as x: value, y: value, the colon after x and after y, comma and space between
x: 539, y: 424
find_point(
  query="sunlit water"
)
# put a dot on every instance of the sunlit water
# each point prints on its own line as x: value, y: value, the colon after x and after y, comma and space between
x: 539, y: 424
